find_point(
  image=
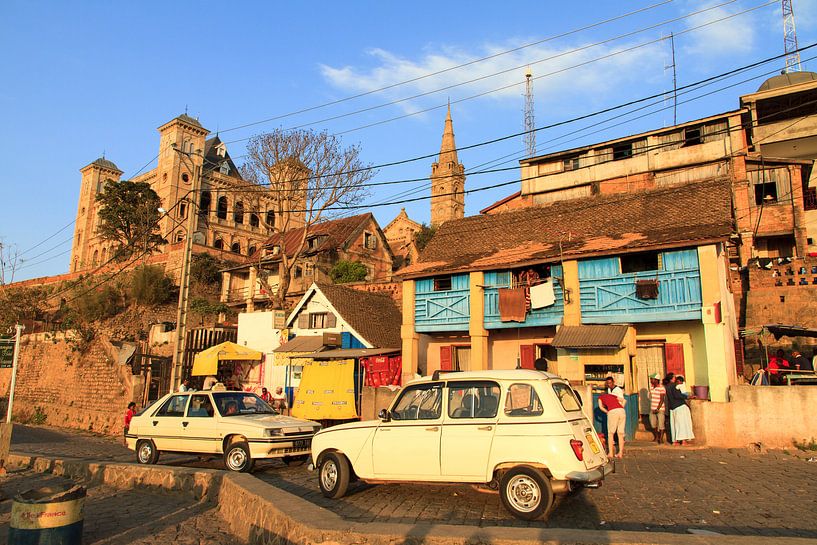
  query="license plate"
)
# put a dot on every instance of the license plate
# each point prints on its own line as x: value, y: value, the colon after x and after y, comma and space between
x: 302, y: 444
x: 592, y: 442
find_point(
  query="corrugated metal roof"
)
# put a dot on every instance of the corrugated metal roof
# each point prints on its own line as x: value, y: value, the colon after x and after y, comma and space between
x: 304, y: 343
x: 351, y: 353
x: 590, y: 336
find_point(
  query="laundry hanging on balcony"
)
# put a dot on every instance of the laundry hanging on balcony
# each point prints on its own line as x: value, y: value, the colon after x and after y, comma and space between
x: 512, y: 304
x: 541, y: 295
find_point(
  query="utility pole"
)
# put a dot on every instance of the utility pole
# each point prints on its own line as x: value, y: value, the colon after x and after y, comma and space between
x: 674, y: 80
x: 19, y: 330
x: 184, y: 284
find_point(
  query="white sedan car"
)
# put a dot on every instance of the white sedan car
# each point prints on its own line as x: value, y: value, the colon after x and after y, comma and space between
x: 238, y: 425
x: 520, y: 432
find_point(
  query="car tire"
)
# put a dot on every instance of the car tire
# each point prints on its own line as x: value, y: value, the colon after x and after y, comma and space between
x: 526, y: 493
x: 146, y: 452
x: 295, y: 460
x: 237, y: 457
x: 333, y: 475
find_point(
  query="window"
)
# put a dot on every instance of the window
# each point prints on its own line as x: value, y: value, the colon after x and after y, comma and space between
x: 566, y: 397
x: 238, y: 213
x: 218, y: 244
x: 270, y: 219
x: 204, y: 203
x: 312, y: 243
x: 309, y: 269
x: 236, y: 248
x: 297, y: 272
x: 622, y: 151
x: 182, y: 209
x: 317, y: 320
x: 224, y: 168
x: 422, y: 402
x: 179, y: 236
x: 99, y: 186
x: 571, y: 164
x: 522, y: 401
x: 370, y: 241
x: 96, y: 257
x: 473, y: 399
x: 765, y: 193
x: 174, y: 406
x: 442, y: 283
x: 221, y: 208
x: 692, y: 136
x: 251, y: 250
x: 221, y: 150
x: 186, y: 178
x: 254, y: 222
x: 200, y: 407
x: 643, y: 261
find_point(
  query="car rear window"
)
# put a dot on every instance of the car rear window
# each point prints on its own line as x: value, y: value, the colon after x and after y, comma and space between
x: 566, y: 397
x: 473, y: 399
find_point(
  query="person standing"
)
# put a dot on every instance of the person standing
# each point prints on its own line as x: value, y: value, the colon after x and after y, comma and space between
x: 612, y: 388
x: 658, y: 408
x: 128, y: 417
x: 679, y: 415
x: 612, y: 406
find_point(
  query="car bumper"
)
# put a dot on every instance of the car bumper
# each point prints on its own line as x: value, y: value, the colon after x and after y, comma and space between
x: 277, y: 448
x: 592, y: 475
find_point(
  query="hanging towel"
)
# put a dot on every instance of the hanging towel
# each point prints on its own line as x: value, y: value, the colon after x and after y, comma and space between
x: 542, y: 295
x: 512, y: 304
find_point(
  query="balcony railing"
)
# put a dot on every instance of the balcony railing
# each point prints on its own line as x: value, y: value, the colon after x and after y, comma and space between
x: 445, y: 310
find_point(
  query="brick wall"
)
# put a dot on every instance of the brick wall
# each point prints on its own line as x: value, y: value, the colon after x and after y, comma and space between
x: 87, y: 391
x: 392, y: 289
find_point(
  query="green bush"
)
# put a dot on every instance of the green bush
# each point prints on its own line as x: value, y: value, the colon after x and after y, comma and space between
x: 97, y: 304
x: 149, y: 285
x: 348, y: 271
x: 206, y: 269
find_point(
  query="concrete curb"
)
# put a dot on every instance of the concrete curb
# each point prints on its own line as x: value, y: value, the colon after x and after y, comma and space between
x: 262, y: 514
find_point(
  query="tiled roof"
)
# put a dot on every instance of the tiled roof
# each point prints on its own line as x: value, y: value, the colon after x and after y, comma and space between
x: 213, y: 161
x: 604, y: 225
x: 589, y: 336
x: 104, y: 163
x: 303, y: 343
x: 190, y: 120
x: 337, y: 232
x: 375, y: 316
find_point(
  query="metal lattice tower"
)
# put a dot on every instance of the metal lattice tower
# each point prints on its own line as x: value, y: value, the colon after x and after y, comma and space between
x: 530, y: 134
x: 790, y: 39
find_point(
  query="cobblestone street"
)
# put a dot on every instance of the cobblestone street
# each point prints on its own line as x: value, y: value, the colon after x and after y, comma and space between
x: 669, y: 489
x: 129, y: 517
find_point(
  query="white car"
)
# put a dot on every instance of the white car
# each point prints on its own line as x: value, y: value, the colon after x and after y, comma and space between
x: 238, y: 425
x: 522, y: 432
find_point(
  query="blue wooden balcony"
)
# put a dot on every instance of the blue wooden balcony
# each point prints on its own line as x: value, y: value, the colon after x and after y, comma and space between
x: 442, y: 309
x: 609, y: 296
x: 546, y: 316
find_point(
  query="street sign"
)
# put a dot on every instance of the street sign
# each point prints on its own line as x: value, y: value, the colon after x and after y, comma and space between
x: 279, y: 319
x: 6, y: 353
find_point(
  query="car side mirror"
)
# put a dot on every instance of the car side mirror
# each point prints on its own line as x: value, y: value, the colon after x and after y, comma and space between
x: 384, y: 415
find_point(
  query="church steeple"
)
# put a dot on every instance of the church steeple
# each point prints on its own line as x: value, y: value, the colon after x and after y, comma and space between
x: 447, y: 179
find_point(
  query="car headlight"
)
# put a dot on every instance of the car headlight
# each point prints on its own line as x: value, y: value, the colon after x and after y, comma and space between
x: 273, y: 432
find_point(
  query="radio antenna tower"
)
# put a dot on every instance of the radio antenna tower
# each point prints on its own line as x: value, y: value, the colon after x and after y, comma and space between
x: 530, y: 134
x: 790, y: 39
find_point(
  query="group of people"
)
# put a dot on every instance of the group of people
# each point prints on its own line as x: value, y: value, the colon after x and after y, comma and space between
x: 779, y: 364
x: 668, y: 398
x: 277, y: 400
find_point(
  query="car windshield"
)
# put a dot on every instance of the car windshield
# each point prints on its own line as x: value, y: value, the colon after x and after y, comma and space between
x: 241, y: 403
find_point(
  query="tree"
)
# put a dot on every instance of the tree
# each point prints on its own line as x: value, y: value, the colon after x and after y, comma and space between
x: 424, y: 236
x: 348, y: 271
x: 9, y: 261
x: 129, y: 217
x: 309, y: 174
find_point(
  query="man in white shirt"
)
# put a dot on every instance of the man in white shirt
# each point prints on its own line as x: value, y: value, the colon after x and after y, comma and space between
x: 185, y: 386
x: 209, y: 382
x: 611, y: 388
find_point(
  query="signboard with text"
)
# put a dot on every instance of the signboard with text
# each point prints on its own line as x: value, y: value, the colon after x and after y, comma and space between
x: 6, y: 353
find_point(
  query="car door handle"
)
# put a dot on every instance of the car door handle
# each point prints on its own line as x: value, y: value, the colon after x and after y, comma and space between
x: 434, y: 428
x: 155, y: 422
x: 185, y: 424
x: 485, y: 428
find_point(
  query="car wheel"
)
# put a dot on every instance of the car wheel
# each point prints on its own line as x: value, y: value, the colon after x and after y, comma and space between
x: 333, y: 475
x: 237, y: 457
x: 526, y: 493
x: 295, y: 460
x: 146, y: 452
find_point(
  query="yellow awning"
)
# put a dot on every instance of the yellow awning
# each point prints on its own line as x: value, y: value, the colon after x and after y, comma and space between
x: 206, y: 362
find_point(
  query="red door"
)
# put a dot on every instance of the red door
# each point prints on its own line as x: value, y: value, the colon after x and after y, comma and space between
x: 674, y: 357
x: 526, y: 355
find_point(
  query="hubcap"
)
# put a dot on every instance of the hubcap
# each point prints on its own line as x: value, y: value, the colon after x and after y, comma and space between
x: 329, y: 475
x: 523, y: 493
x: 237, y: 458
x: 144, y: 453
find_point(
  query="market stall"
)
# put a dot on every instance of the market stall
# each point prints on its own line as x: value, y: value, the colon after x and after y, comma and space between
x: 235, y: 366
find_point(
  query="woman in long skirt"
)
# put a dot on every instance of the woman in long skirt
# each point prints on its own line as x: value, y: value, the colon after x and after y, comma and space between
x: 681, y: 422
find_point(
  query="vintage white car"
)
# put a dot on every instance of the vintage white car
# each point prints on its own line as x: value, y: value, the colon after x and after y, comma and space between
x: 238, y: 425
x: 522, y: 432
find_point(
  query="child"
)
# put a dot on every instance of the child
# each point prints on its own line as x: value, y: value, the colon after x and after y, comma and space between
x: 681, y: 385
x: 128, y: 416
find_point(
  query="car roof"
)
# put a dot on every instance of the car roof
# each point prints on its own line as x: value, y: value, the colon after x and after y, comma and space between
x: 491, y: 374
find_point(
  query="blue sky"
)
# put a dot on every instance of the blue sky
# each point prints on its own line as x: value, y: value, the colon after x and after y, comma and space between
x: 83, y: 78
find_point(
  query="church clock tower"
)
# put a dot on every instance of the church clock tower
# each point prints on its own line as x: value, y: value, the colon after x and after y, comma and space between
x: 447, y: 180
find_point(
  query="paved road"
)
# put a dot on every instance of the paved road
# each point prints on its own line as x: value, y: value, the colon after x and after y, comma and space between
x: 129, y: 517
x: 670, y: 489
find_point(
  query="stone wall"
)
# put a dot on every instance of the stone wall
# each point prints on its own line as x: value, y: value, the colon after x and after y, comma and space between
x: 86, y: 391
x: 772, y: 416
